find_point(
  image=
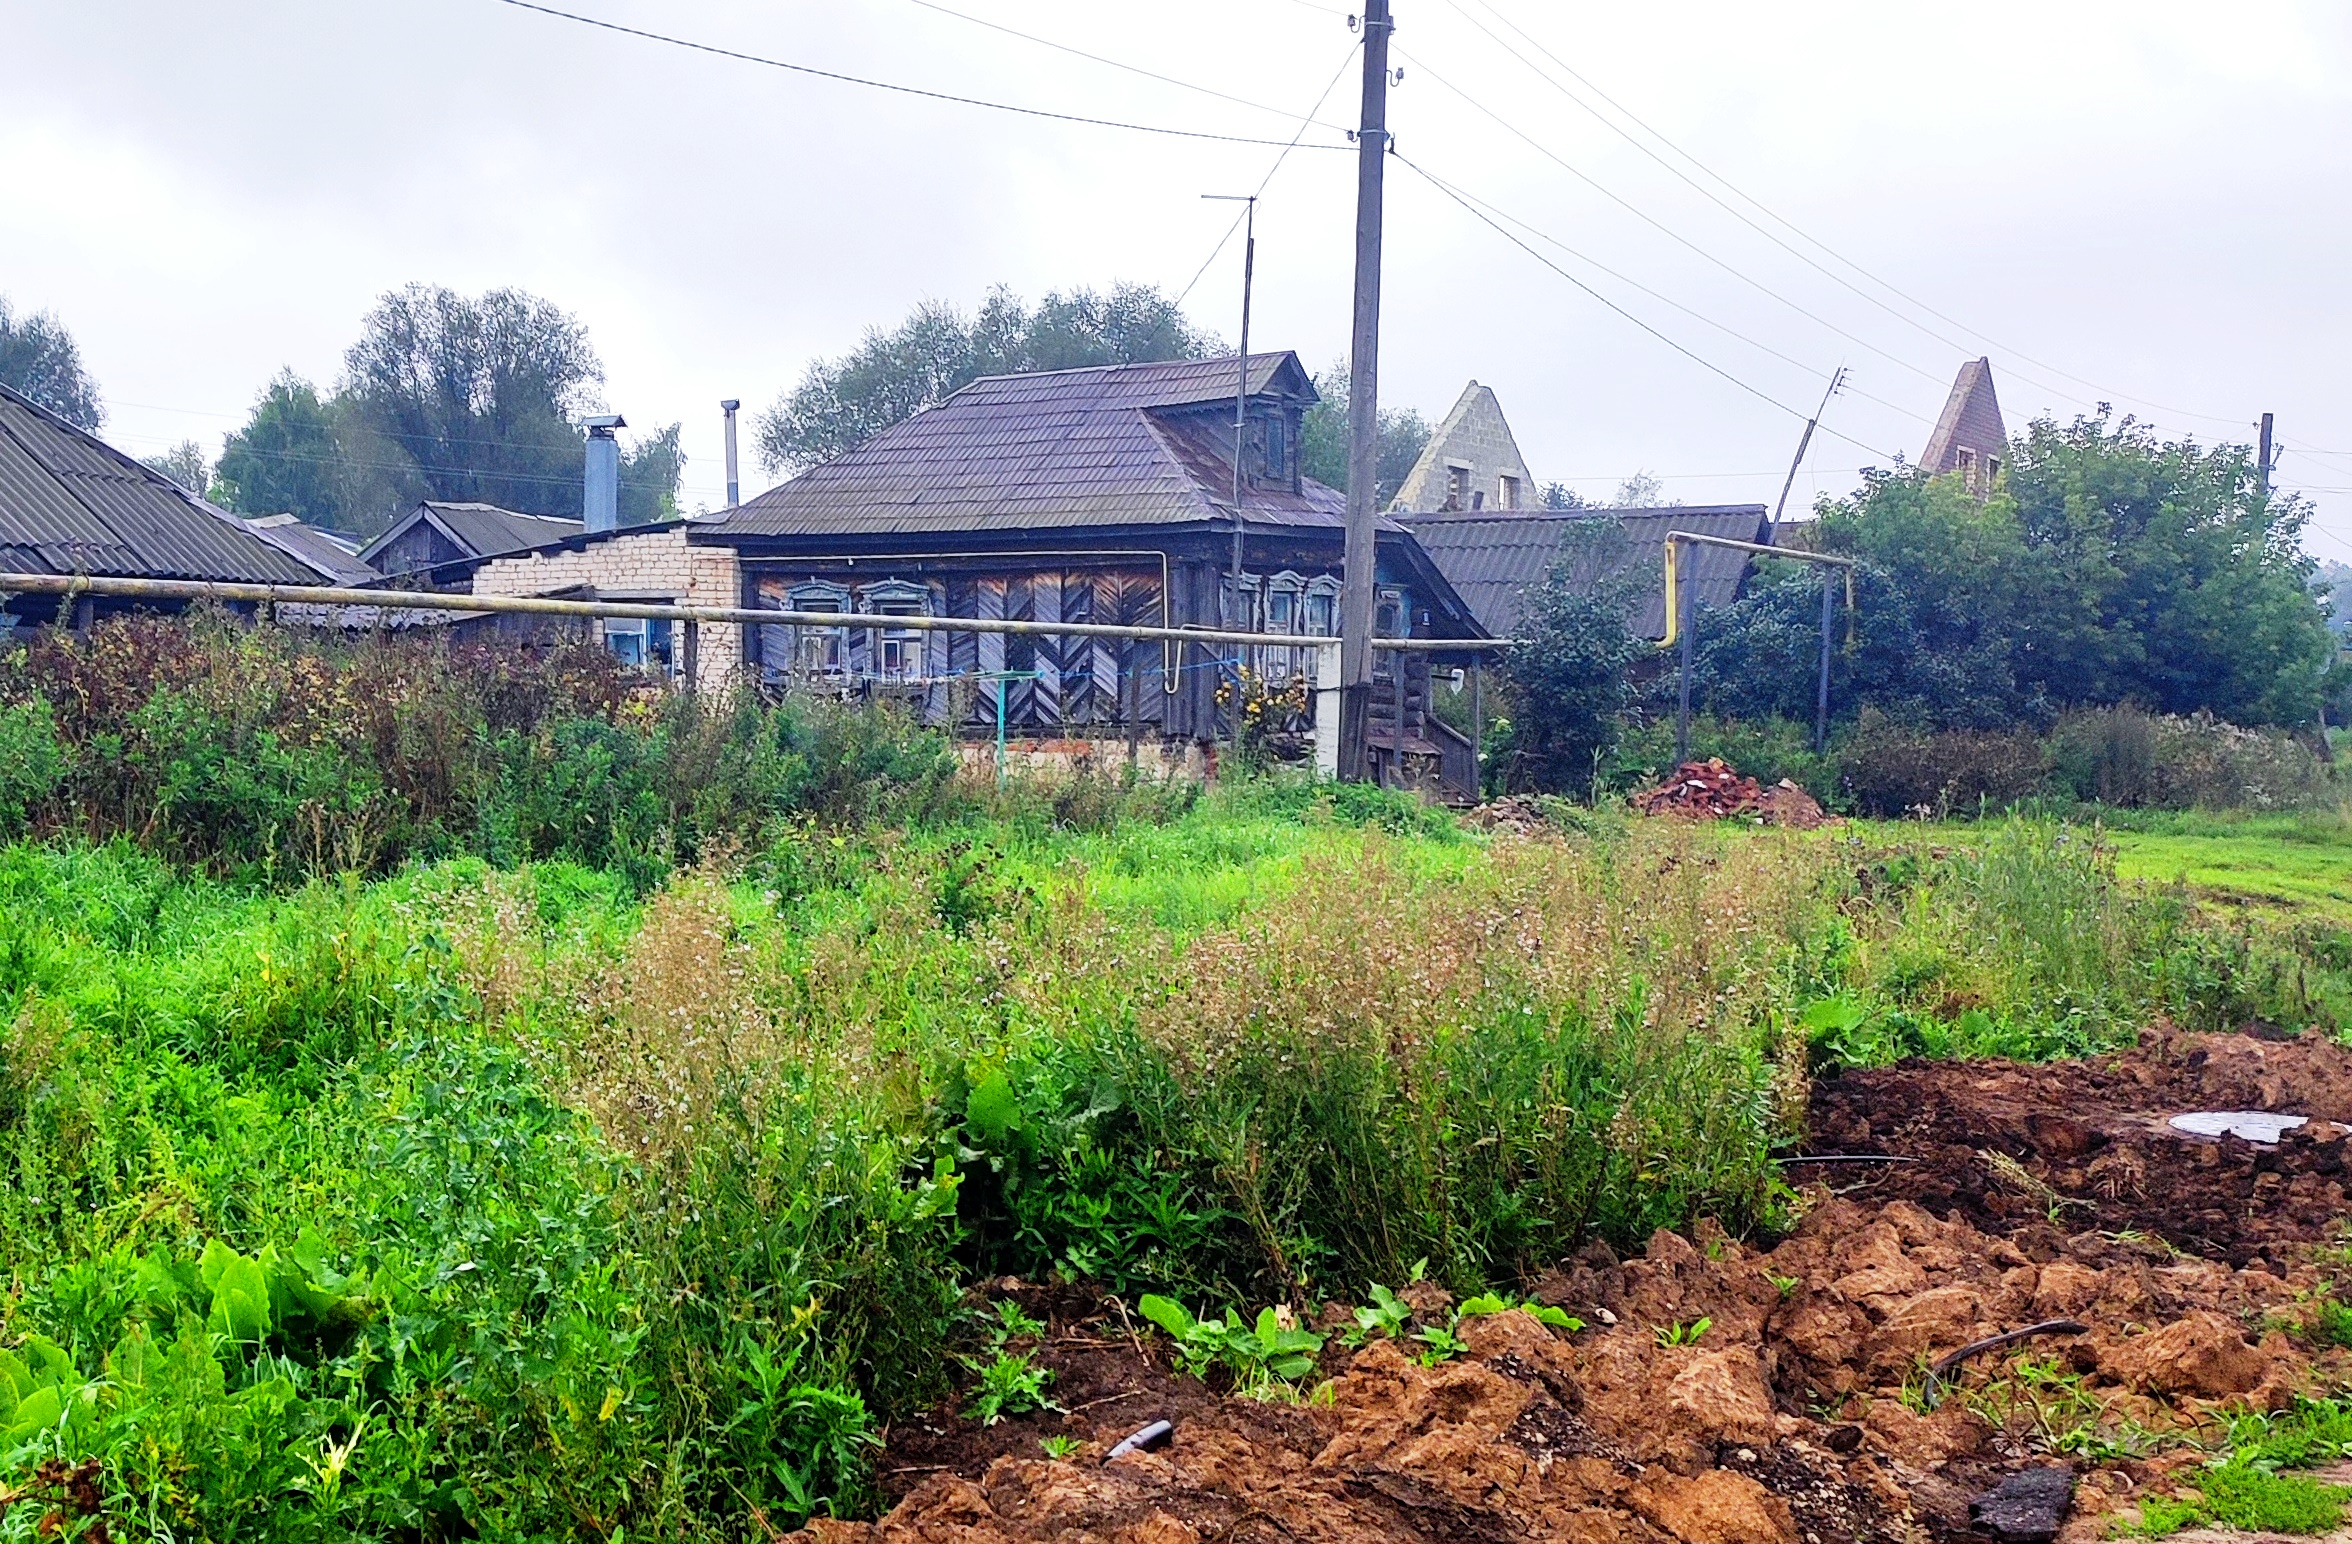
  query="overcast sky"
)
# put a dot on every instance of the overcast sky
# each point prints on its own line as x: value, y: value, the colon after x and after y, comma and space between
x: 2137, y: 203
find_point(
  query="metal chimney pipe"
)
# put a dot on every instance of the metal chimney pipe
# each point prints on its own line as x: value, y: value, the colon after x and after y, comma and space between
x: 734, y: 488
x: 600, y: 501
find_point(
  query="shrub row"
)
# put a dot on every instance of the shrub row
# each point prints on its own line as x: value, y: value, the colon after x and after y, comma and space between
x: 2121, y: 758
x: 259, y: 751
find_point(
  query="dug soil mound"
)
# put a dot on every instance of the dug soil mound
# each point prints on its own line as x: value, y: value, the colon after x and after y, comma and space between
x: 2047, y: 1150
x: 1718, y: 1395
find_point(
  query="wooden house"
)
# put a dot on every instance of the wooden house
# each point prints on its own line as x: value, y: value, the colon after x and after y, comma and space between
x: 1096, y: 495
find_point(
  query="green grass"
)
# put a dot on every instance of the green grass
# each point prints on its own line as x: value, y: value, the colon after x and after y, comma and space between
x: 565, y: 1201
x: 2296, y: 865
x: 2252, y: 1485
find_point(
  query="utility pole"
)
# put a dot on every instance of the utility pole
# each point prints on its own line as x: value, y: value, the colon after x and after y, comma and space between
x: 2263, y: 459
x: 1249, y: 270
x: 1359, y: 580
x: 1804, y: 442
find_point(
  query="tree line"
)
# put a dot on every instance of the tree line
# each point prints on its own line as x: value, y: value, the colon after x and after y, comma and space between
x: 443, y: 396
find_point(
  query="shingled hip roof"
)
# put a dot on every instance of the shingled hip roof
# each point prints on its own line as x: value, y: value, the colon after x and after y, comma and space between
x: 1063, y: 449
x: 1493, y: 559
x: 72, y: 504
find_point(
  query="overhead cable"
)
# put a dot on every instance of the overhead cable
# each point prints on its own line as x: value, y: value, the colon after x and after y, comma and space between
x: 1267, y: 180
x: 884, y: 85
x: 1787, y: 224
x: 1672, y: 234
x: 1663, y: 299
x: 1116, y: 64
x: 1700, y: 360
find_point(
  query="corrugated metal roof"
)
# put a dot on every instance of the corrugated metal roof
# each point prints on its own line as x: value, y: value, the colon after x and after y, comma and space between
x: 1069, y: 448
x: 1492, y: 558
x: 322, y: 550
x: 71, y: 504
x: 482, y: 530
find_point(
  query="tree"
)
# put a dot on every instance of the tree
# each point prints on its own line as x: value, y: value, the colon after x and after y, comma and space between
x: 184, y: 464
x: 937, y: 351
x: 1323, y: 439
x: 1558, y: 495
x: 480, y: 394
x: 443, y: 397
x: 2335, y: 589
x: 1643, y: 490
x: 2106, y: 567
x: 40, y: 360
x: 288, y: 459
x: 2189, y: 583
x: 1571, y: 676
x: 649, y: 477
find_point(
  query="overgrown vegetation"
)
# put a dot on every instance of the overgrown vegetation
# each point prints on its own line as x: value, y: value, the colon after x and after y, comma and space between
x: 260, y: 754
x: 618, y: 1173
x: 2103, y: 627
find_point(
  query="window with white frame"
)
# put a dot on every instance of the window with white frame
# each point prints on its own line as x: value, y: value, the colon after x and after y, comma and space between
x: 1321, y: 604
x: 642, y: 643
x: 898, y: 654
x: 819, y: 651
x: 1283, y: 615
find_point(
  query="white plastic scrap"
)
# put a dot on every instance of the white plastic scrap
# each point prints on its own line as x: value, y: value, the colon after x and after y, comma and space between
x: 2261, y: 1126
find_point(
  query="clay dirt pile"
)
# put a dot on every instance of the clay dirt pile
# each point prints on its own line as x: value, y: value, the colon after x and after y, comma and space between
x: 1722, y: 1393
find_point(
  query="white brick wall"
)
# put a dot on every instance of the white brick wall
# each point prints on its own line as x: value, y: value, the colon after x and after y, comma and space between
x: 636, y: 565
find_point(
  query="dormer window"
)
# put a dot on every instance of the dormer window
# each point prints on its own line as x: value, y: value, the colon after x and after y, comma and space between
x: 1277, y: 448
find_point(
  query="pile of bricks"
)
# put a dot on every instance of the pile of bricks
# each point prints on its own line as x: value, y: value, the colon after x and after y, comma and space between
x: 1703, y: 790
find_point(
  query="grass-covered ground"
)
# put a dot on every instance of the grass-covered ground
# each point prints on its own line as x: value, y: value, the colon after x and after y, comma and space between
x: 2291, y: 864
x: 555, y: 1201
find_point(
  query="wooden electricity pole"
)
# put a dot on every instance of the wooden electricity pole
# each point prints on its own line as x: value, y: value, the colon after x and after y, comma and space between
x: 2263, y: 458
x: 1359, y: 580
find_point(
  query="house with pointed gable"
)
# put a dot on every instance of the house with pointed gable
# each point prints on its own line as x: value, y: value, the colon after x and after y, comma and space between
x: 1107, y: 495
x: 1470, y: 463
x: 1970, y: 437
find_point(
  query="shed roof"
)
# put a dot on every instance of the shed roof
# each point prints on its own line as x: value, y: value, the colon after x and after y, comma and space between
x: 1492, y: 558
x: 332, y: 555
x: 1062, y: 449
x: 72, y: 504
x: 483, y: 530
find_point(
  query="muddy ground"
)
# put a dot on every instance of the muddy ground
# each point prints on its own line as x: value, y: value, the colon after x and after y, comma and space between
x: 1800, y: 1415
x: 2093, y: 1145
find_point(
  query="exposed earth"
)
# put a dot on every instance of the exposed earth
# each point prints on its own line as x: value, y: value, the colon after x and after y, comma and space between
x: 1802, y: 1413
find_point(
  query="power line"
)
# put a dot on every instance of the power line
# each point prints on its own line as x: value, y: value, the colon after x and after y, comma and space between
x: 1663, y: 299
x: 1698, y: 359
x: 1789, y: 225
x: 1640, y: 214
x: 884, y: 85
x: 1116, y: 64
x: 1267, y: 180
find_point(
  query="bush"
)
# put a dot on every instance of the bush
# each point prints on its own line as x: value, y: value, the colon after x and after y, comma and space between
x: 2133, y: 760
x: 260, y: 752
x: 1889, y: 770
x: 32, y: 762
x: 1570, y: 680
